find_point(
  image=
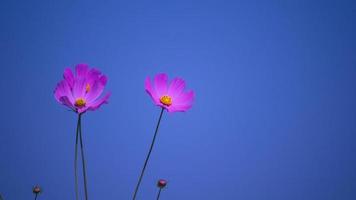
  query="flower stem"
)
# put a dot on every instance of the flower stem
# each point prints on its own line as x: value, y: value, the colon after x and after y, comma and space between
x: 159, y: 193
x: 76, y: 158
x: 148, y: 156
x: 83, y: 160
x: 36, y: 196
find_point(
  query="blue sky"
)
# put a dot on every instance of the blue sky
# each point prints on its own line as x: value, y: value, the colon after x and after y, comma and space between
x: 274, y: 116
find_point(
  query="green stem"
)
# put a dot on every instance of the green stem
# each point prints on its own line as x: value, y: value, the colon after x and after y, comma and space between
x: 36, y: 196
x: 83, y: 161
x: 148, y: 156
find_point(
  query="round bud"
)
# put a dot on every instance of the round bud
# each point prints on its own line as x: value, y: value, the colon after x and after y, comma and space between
x: 36, y: 189
x: 161, y: 183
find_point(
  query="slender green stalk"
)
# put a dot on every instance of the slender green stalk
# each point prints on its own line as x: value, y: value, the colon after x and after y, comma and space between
x: 36, y: 196
x: 83, y: 161
x: 76, y: 158
x: 159, y: 193
x: 148, y: 156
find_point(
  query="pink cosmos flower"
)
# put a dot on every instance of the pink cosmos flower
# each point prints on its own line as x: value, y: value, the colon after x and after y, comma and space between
x: 169, y: 96
x: 81, y: 91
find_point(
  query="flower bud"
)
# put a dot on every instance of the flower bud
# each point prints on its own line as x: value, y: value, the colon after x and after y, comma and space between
x: 36, y: 189
x: 161, y: 183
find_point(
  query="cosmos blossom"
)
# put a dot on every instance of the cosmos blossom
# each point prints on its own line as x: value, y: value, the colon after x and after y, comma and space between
x: 82, y: 91
x: 170, y: 96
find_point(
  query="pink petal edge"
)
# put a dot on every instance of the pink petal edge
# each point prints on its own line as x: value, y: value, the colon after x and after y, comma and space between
x: 161, y: 84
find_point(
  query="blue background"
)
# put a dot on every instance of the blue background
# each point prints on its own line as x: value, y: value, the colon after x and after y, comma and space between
x: 274, y: 116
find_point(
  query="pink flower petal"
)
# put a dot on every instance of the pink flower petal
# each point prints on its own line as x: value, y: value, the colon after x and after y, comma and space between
x: 96, y: 89
x: 103, y: 79
x: 179, y: 108
x: 63, y: 89
x: 65, y: 101
x: 92, y: 78
x: 160, y: 84
x: 81, y: 70
x: 150, y: 91
x: 176, y: 87
x: 69, y: 77
x: 79, y: 88
x: 95, y: 105
x: 93, y: 75
x: 184, y: 98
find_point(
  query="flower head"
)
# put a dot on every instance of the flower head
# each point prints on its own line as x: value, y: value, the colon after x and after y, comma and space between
x: 161, y: 183
x: 81, y: 91
x: 169, y: 96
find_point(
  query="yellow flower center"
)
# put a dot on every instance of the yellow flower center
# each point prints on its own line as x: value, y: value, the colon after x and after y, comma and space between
x: 87, y: 88
x: 80, y: 102
x: 166, y: 100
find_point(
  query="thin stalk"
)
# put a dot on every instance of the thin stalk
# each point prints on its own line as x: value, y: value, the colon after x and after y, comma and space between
x: 36, y: 196
x: 148, y: 156
x: 159, y: 193
x: 83, y: 160
x: 76, y: 158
